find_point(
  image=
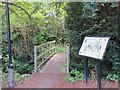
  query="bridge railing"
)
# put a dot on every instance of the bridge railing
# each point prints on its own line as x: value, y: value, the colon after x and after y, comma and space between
x: 45, y: 51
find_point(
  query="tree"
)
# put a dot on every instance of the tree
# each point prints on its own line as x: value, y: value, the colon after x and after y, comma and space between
x: 102, y: 22
x: 31, y: 24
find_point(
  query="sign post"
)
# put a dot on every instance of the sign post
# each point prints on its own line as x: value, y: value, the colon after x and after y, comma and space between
x: 86, y: 70
x: 94, y: 47
x: 10, y: 71
x: 99, y: 74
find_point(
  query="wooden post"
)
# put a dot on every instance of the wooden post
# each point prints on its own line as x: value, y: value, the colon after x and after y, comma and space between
x: 68, y: 57
x: 48, y: 49
x: 51, y: 47
x: 42, y: 55
x: 35, y: 59
x: 54, y: 44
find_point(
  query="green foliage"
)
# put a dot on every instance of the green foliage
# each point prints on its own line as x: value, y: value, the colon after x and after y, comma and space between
x: 36, y: 23
x: 5, y: 64
x: 61, y: 48
x: 75, y: 76
x: 17, y: 77
x: 31, y: 24
x: 102, y: 21
x: 19, y: 66
x: 78, y: 75
x: 113, y: 77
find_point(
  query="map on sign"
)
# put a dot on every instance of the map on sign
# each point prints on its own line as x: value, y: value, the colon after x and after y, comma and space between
x: 94, y: 47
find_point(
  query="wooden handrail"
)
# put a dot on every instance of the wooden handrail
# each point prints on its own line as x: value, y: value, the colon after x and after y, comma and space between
x: 50, y: 51
x: 40, y: 56
x: 39, y: 46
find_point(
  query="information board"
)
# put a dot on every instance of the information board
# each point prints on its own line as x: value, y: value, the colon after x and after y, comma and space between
x: 94, y: 47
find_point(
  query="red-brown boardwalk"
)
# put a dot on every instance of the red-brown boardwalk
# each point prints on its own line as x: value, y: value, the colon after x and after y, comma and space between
x: 53, y: 76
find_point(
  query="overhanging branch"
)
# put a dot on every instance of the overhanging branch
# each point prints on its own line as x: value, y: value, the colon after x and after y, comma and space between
x: 21, y: 9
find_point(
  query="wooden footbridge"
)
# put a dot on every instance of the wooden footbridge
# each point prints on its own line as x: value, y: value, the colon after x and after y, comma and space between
x: 42, y: 53
x: 51, y: 75
x: 51, y: 69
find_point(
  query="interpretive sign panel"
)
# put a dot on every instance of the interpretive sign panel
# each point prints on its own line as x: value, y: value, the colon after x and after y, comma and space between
x: 94, y: 47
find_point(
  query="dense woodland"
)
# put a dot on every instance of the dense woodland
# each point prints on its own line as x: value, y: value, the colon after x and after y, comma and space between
x: 94, y: 19
x: 34, y: 23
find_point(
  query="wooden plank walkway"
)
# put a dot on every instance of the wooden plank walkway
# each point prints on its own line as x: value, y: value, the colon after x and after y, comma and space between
x: 53, y: 71
x: 55, y: 65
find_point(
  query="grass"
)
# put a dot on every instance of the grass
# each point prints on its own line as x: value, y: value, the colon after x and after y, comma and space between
x: 61, y: 49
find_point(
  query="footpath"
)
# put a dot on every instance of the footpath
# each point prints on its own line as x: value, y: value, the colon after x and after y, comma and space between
x: 53, y: 75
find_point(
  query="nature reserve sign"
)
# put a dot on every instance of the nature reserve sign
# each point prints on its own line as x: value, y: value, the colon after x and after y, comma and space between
x: 94, y: 47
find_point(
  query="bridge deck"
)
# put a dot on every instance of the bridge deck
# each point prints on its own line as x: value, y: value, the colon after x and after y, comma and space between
x: 55, y: 65
x: 53, y: 71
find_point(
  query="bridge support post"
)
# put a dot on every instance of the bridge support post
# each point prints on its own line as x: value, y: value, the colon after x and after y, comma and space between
x: 35, y: 58
x: 55, y: 46
x: 68, y: 57
x: 42, y: 55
